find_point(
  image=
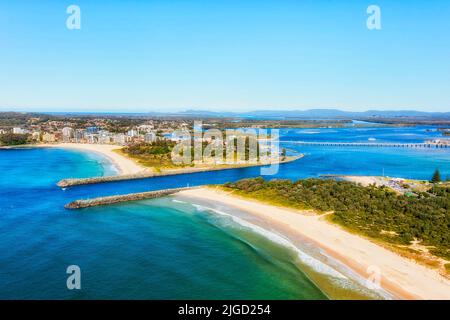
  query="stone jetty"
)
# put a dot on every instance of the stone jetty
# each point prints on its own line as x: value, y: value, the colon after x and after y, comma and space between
x: 78, y: 204
x: 64, y: 183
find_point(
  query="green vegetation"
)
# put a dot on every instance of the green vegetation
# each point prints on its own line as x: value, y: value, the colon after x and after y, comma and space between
x: 159, y: 153
x: 283, y: 154
x: 12, y: 119
x: 436, y: 177
x: 11, y: 139
x: 232, y: 123
x: 376, y: 212
x: 158, y: 147
x: 156, y: 154
x: 445, y: 131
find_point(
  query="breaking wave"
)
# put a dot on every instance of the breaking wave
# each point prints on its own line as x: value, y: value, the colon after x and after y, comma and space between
x: 312, y: 262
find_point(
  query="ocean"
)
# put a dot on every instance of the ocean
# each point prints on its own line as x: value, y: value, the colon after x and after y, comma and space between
x: 170, y: 248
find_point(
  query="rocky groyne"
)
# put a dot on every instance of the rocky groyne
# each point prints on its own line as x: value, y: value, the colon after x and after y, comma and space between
x: 64, y: 183
x: 78, y: 204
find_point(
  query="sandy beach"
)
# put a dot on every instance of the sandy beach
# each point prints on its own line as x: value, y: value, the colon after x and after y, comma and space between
x: 124, y: 165
x: 402, y: 277
x: 131, y: 169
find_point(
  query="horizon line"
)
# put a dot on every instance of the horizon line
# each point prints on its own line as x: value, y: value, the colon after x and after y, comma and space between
x: 201, y: 110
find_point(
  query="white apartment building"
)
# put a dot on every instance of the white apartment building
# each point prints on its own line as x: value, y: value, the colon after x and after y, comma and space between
x: 150, y: 137
x: 79, y: 135
x: 120, y: 138
x: 17, y: 130
x: 68, y: 132
x: 132, y: 133
x: 92, y: 138
x: 104, y: 137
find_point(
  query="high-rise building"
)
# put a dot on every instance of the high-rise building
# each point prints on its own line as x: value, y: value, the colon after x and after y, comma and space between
x: 120, y: 138
x: 80, y: 135
x: 133, y: 133
x: 19, y: 131
x: 150, y: 137
x: 68, y: 133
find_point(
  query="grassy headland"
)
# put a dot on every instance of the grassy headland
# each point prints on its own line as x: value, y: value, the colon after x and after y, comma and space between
x: 158, y: 156
x: 155, y: 155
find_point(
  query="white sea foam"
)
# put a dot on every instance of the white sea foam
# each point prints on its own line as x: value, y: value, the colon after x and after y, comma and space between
x: 335, y: 276
x: 304, y: 257
x: 178, y: 201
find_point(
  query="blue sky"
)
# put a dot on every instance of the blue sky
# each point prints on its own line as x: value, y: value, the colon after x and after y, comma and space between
x: 224, y: 55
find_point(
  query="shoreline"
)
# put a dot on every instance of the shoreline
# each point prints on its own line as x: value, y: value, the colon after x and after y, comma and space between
x: 402, y: 277
x: 123, y: 165
x: 129, y: 169
x: 69, y: 182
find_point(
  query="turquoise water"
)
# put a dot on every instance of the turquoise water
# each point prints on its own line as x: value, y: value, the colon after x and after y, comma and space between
x: 147, y: 250
x: 161, y: 249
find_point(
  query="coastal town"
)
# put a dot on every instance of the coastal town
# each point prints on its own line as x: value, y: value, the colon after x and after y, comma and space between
x: 140, y: 147
x: 102, y: 130
x: 123, y: 130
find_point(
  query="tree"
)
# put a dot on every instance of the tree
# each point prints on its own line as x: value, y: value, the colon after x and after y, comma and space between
x: 436, y: 176
x: 283, y: 154
x: 12, y: 139
x: 368, y: 210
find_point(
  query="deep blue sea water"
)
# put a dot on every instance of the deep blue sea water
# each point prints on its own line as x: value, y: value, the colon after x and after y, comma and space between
x: 162, y: 249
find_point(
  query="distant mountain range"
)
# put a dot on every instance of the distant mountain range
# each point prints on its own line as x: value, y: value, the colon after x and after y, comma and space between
x: 313, y: 114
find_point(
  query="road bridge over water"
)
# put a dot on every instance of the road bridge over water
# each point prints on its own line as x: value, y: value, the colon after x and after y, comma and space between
x: 368, y: 144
